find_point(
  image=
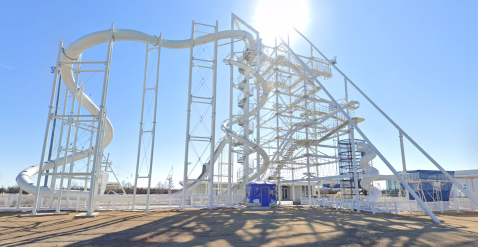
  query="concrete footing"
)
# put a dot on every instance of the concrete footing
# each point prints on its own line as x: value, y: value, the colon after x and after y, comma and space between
x: 86, y: 215
x: 43, y: 214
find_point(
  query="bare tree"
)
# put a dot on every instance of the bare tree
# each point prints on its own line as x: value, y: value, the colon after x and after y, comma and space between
x: 75, y: 186
x: 13, y: 189
x: 126, y: 184
x: 163, y: 187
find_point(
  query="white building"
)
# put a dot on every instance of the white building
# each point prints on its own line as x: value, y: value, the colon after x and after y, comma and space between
x: 470, y: 179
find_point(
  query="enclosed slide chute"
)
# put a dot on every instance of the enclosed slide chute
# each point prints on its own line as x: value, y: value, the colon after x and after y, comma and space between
x: 369, y: 154
x: 24, y: 179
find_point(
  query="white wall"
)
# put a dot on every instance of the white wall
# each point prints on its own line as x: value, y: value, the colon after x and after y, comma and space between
x: 472, y: 185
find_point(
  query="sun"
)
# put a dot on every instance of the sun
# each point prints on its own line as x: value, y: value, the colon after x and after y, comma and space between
x: 279, y: 17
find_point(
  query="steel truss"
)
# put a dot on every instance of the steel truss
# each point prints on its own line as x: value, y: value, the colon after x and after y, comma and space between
x: 202, y: 101
x: 143, y: 149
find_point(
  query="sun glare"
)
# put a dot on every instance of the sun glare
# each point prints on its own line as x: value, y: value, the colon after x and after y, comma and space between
x: 279, y: 17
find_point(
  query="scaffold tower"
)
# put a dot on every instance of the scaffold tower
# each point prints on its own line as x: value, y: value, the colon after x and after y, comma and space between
x: 346, y: 168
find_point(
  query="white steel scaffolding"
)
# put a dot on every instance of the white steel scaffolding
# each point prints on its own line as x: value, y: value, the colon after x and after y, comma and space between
x: 201, y: 101
x: 280, y: 96
x: 146, y: 150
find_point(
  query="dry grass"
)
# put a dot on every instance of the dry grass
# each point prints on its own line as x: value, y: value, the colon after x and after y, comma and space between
x: 289, y: 226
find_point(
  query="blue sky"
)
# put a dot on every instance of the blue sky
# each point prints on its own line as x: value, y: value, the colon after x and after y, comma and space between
x: 416, y: 60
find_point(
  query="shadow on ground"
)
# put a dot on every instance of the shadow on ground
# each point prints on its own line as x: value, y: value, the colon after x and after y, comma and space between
x: 288, y: 226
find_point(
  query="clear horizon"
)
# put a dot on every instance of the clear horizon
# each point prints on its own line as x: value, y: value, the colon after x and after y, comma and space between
x: 415, y: 60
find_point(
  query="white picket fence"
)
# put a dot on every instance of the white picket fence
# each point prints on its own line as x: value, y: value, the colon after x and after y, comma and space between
x: 118, y: 202
x: 390, y: 206
x: 202, y: 201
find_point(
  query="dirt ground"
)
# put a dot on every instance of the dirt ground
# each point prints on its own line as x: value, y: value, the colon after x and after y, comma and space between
x: 287, y: 226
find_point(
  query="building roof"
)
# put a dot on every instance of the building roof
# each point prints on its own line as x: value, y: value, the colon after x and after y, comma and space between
x: 473, y: 174
x: 260, y: 183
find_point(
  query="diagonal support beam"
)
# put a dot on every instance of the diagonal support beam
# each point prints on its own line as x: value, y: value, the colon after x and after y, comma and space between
x: 399, y: 177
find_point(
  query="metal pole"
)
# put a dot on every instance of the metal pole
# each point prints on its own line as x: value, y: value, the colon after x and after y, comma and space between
x: 353, y: 147
x: 153, y: 131
x: 404, y: 171
x: 45, y: 184
x: 277, y: 117
x: 100, y: 132
x: 293, y: 188
x: 246, y: 126
x: 88, y: 162
x: 309, y: 188
x: 76, y: 130
x: 45, y: 140
x: 258, y: 115
x: 185, y: 175
x: 58, y: 152
x: 213, y: 119
x: 19, y: 199
x: 424, y: 206
x: 68, y: 136
x: 140, y: 129
x: 337, y: 152
x: 280, y: 190
x: 230, y: 153
x: 315, y: 132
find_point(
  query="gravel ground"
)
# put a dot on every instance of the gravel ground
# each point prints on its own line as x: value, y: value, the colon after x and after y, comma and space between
x: 287, y: 226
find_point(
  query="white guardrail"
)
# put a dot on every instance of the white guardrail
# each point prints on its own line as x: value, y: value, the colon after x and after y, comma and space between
x: 392, y: 206
x: 25, y: 202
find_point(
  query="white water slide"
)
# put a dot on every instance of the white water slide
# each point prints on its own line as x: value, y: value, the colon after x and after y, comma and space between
x: 373, y: 192
x: 24, y: 179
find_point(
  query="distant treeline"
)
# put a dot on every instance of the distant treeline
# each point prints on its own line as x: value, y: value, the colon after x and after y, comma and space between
x: 129, y: 190
x: 12, y: 190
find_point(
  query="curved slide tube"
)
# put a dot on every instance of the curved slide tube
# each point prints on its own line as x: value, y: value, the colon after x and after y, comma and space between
x: 373, y: 192
x: 243, y: 139
x: 260, y: 79
x: 223, y: 141
x: 251, y: 144
x: 74, y: 50
x: 206, y: 166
